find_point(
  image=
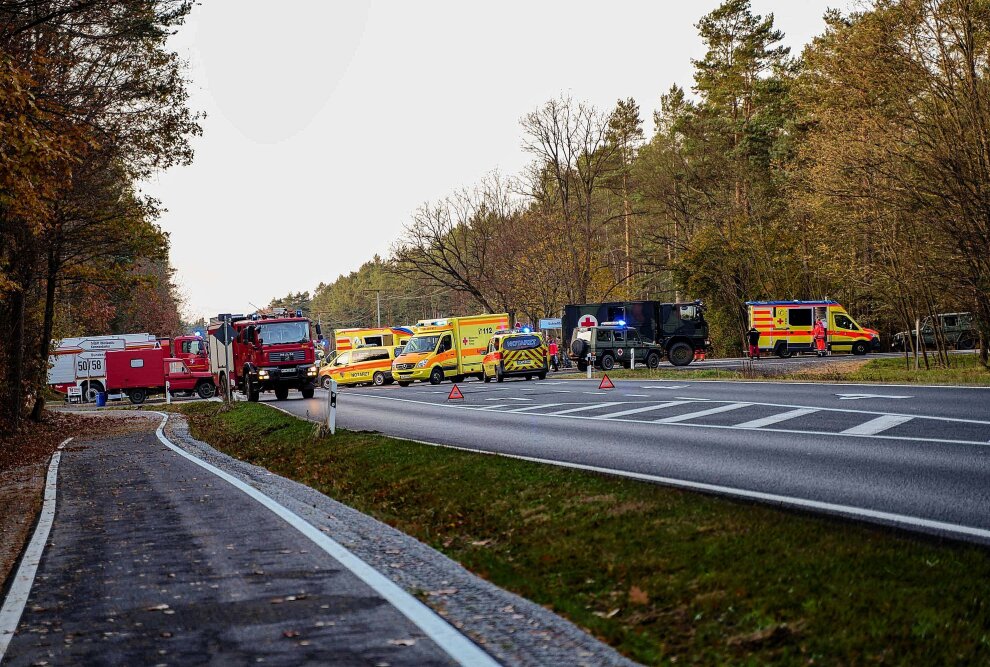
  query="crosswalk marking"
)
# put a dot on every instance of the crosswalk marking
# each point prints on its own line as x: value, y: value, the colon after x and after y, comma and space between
x: 535, y: 407
x: 582, y: 408
x: 702, y: 413
x: 490, y: 407
x: 634, y: 411
x: 878, y: 425
x: 775, y: 419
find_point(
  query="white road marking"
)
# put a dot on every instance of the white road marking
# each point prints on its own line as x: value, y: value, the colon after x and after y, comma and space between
x: 508, y: 398
x: 595, y: 393
x: 457, y: 646
x: 535, y: 407
x: 635, y: 395
x: 856, y: 397
x: 482, y: 407
x: 776, y: 419
x: 656, y: 386
x: 772, y: 498
x: 20, y: 588
x: 702, y: 413
x: 878, y: 425
x: 634, y: 411
x: 582, y: 408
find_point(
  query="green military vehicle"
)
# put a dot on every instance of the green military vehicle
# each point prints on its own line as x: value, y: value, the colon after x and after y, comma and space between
x: 957, y: 328
x: 610, y: 344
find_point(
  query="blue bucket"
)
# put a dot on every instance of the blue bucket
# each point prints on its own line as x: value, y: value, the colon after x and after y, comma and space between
x: 101, y: 399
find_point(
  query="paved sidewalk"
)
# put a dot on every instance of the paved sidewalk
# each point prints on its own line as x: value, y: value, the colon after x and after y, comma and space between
x: 153, y: 560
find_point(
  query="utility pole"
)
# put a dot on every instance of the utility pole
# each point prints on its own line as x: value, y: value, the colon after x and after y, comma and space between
x: 378, y: 295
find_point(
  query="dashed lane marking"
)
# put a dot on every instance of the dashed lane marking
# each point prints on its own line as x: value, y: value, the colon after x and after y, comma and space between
x: 776, y: 419
x: 878, y: 425
x: 456, y: 645
x: 702, y: 413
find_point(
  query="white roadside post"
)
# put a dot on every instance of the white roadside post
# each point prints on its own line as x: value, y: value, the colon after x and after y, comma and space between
x: 632, y: 358
x: 591, y: 362
x: 168, y: 393
x: 332, y: 407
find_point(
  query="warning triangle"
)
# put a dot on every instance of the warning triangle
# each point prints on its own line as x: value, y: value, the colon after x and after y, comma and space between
x: 455, y: 392
x: 606, y: 383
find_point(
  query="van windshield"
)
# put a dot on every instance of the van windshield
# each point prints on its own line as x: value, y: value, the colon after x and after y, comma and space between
x: 421, y: 344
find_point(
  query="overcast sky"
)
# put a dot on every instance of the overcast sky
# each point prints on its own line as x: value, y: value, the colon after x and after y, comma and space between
x: 328, y: 123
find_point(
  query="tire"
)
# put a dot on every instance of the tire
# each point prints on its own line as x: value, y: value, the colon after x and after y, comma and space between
x: 784, y: 353
x: 308, y: 391
x: 325, y: 382
x: 281, y: 392
x: 680, y: 354
x: 90, y: 390
x: 582, y: 366
x: 965, y: 342
x: 223, y: 385
x: 485, y: 377
x: 528, y: 378
x: 404, y: 383
x: 498, y: 375
x: 378, y: 379
x: 436, y: 375
x: 608, y: 362
x: 137, y: 396
x: 653, y: 360
x: 206, y: 390
x: 860, y: 348
x: 252, y: 392
x: 458, y: 379
x: 542, y: 376
x: 579, y: 348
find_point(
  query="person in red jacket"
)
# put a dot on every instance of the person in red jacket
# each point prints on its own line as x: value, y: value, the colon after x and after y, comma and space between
x: 819, y: 333
x: 552, y: 352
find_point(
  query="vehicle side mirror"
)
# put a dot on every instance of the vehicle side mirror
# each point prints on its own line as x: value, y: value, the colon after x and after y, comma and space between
x: 319, y: 331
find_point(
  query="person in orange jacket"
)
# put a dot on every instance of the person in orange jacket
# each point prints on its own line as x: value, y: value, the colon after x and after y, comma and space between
x: 552, y: 353
x: 819, y: 334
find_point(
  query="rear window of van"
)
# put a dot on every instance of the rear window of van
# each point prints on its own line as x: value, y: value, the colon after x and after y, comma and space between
x: 521, y: 343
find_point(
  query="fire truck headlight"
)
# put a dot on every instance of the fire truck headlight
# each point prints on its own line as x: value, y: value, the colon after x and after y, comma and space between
x: 262, y: 374
x: 312, y: 370
x: 421, y: 364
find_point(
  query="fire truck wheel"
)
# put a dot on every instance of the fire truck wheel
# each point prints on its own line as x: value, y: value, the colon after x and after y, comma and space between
x: 436, y: 375
x: 325, y: 382
x: 680, y: 354
x: 608, y: 362
x: 653, y: 360
x: 378, y: 378
x: 223, y: 386
x: 137, y: 396
x: 308, y: 392
x: 281, y: 393
x: 859, y: 347
x: 206, y: 389
x: 253, y: 394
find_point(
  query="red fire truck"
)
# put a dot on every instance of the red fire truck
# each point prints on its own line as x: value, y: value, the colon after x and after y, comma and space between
x: 193, y: 351
x: 140, y: 373
x: 264, y: 352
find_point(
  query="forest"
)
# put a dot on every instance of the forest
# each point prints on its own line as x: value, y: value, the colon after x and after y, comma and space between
x: 91, y: 104
x: 857, y: 170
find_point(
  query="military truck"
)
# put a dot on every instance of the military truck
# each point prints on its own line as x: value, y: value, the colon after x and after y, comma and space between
x: 678, y: 329
x: 957, y: 328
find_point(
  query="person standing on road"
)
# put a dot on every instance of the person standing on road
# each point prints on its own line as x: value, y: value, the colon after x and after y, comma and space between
x: 753, y: 338
x: 818, y: 333
x: 552, y: 352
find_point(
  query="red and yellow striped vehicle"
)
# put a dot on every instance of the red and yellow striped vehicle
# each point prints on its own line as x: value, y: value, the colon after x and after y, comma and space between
x: 786, y: 327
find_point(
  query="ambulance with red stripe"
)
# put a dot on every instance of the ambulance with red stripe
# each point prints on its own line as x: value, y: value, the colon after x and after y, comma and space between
x: 452, y: 348
x: 365, y: 365
x: 786, y: 327
x: 351, y: 339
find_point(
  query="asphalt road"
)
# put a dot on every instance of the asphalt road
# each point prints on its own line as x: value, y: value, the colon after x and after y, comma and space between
x: 916, y: 457
x: 152, y: 560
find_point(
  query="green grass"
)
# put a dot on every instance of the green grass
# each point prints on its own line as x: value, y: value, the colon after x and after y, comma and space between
x: 965, y: 369
x: 660, y: 574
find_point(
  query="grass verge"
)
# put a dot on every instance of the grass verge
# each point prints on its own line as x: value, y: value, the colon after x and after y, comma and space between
x: 662, y: 575
x: 966, y: 369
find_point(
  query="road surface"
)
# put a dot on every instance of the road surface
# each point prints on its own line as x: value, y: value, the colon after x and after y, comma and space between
x: 915, y: 457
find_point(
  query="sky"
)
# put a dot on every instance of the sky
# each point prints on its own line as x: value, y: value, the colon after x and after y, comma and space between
x: 328, y: 123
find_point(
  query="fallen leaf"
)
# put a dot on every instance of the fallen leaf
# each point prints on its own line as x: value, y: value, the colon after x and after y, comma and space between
x: 638, y: 596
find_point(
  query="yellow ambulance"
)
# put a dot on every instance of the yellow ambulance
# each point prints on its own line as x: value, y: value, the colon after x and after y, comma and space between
x: 519, y: 352
x: 351, y: 339
x: 449, y: 348
x: 786, y: 327
x: 366, y: 365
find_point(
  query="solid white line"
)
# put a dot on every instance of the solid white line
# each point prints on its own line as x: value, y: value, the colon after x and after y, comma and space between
x: 701, y: 413
x: 457, y: 646
x: 776, y: 419
x: 536, y: 407
x: 582, y: 408
x: 478, y: 407
x: 634, y: 411
x: 20, y: 588
x: 878, y: 425
x: 791, y: 501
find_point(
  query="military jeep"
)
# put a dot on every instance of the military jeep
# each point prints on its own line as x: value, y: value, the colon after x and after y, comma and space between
x: 611, y: 344
x: 957, y: 328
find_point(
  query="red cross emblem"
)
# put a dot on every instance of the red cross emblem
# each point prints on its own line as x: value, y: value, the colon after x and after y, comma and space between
x: 465, y: 340
x: 780, y: 320
x: 588, y: 321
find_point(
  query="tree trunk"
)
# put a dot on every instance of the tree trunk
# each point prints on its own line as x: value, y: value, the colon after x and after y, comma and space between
x: 44, y: 347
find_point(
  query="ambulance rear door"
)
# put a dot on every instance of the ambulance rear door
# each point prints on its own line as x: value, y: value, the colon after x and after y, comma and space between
x: 473, y: 335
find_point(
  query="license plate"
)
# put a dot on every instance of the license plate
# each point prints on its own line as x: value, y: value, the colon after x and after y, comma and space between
x: 288, y: 371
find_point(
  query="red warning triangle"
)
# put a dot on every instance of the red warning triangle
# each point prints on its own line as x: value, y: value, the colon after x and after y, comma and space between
x: 606, y: 383
x: 455, y: 392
